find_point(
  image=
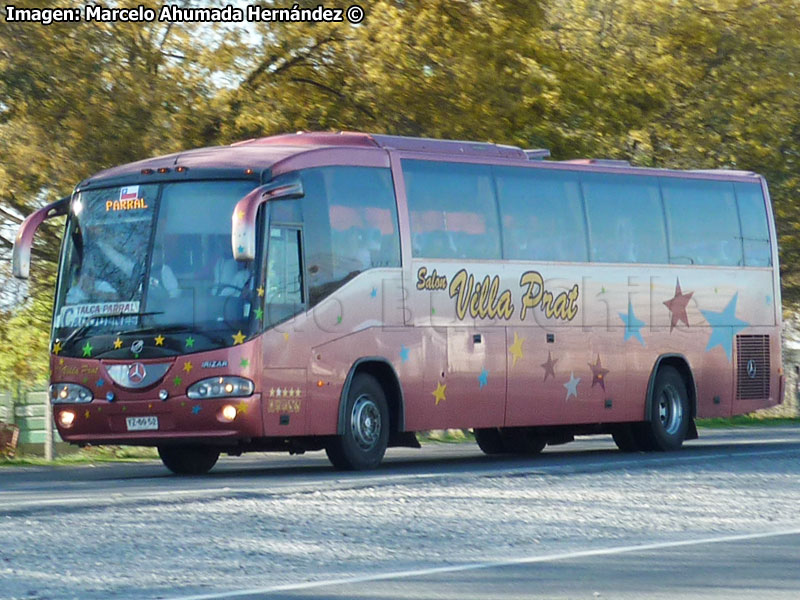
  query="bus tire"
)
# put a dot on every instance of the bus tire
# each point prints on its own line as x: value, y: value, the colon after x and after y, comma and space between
x: 625, y: 438
x: 188, y: 460
x: 490, y: 441
x: 668, y: 421
x: 366, y: 427
x: 522, y: 440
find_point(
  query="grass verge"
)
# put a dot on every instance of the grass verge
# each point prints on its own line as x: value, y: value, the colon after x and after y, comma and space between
x: 83, y: 456
x: 747, y: 421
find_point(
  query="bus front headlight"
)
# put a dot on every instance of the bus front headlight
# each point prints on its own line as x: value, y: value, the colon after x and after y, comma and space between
x: 70, y: 393
x: 220, y: 387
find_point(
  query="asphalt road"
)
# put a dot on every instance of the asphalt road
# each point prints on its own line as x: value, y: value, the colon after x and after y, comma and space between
x: 719, y: 519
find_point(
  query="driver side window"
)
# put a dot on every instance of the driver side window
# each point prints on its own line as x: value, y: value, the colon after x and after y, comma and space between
x: 284, y: 285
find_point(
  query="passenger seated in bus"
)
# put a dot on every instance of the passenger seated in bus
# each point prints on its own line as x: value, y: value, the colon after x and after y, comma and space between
x: 230, y: 277
x: 162, y: 277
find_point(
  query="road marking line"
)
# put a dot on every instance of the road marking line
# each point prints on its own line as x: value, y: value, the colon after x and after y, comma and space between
x: 526, y: 560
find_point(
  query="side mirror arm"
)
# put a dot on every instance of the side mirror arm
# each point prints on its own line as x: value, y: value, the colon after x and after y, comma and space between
x: 21, y: 255
x: 243, y: 231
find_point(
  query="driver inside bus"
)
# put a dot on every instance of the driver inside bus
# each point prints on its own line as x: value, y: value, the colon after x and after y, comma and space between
x: 161, y: 274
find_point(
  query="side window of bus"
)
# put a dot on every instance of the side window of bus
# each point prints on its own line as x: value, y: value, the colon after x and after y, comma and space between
x: 452, y: 209
x: 626, y: 222
x: 753, y: 217
x: 284, y: 284
x: 702, y: 221
x: 542, y: 214
x: 350, y: 221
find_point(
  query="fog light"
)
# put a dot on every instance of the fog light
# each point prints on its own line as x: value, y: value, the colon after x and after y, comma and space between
x: 66, y: 418
x: 229, y: 412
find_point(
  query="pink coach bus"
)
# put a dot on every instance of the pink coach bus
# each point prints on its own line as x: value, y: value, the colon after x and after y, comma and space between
x: 342, y: 291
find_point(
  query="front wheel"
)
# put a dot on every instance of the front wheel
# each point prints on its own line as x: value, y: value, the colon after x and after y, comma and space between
x: 188, y: 460
x: 669, y: 418
x: 490, y: 441
x: 366, y: 427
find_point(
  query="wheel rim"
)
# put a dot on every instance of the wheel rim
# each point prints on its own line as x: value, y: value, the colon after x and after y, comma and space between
x: 670, y: 410
x: 365, y: 422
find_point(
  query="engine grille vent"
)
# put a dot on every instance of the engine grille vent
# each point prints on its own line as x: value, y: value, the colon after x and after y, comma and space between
x: 752, y: 371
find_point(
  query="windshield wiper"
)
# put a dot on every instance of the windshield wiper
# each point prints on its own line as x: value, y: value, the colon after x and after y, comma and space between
x: 174, y: 329
x: 88, y: 323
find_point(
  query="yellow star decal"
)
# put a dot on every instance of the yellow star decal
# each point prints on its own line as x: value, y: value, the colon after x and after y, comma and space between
x: 159, y: 340
x: 87, y: 413
x: 516, y: 349
x: 271, y: 392
x: 241, y: 407
x: 241, y: 215
x: 286, y: 337
x: 238, y: 338
x: 61, y: 361
x: 260, y: 291
x: 438, y: 393
x: 56, y: 348
x: 187, y: 366
x: 117, y: 344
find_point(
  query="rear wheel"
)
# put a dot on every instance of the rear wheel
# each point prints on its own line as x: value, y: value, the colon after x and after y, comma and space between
x: 490, y: 440
x: 366, y: 427
x: 668, y: 421
x: 522, y: 440
x: 188, y: 460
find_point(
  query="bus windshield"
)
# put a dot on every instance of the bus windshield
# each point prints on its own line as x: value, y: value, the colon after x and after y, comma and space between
x: 153, y: 259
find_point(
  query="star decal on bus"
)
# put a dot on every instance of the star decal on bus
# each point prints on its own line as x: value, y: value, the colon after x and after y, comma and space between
x: 632, y: 325
x: 190, y: 342
x: 598, y: 373
x: 244, y: 363
x: 724, y: 326
x: 196, y: 409
x: 117, y: 344
x: 403, y: 353
x: 572, y: 385
x: 238, y: 337
x: 56, y: 348
x: 177, y: 381
x: 373, y: 293
x: 260, y: 291
x: 516, y: 348
x: 549, y: 367
x: 259, y: 313
x: 87, y: 349
x: 677, y: 307
x: 187, y: 366
x: 159, y: 339
x: 241, y: 407
x: 439, y: 392
x: 483, y: 378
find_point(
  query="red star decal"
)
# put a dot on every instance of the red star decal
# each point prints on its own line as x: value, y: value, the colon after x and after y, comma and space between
x: 598, y: 373
x: 549, y: 367
x: 677, y: 307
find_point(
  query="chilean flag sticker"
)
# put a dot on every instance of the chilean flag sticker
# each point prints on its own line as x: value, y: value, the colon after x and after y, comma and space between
x: 130, y: 192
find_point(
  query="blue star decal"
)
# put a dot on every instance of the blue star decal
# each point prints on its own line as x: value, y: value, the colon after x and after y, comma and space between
x: 240, y: 249
x: 769, y: 300
x: 724, y: 325
x: 483, y: 378
x: 632, y: 324
x: 403, y: 354
x: 374, y: 293
x: 101, y: 382
x: 196, y: 409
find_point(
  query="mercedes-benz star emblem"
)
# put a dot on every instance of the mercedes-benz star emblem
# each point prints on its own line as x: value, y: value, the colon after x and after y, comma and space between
x: 751, y: 369
x: 137, y: 346
x: 136, y: 373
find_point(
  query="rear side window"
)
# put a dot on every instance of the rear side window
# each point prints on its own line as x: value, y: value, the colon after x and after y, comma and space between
x: 703, y: 222
x: 541, y: 214
x: 626, y: 222
x: 350, y: 225
x: 452, y: 209
x: 755, y: 231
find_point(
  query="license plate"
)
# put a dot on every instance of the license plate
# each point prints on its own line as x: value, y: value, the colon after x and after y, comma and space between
x: 142, y: 423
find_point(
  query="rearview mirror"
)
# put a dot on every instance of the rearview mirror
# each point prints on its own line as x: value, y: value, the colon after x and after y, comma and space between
x: 243, y: 231
x: 21, y: 255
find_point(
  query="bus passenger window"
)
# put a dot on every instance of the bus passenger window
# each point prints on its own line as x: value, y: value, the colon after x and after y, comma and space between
x: 284, y: 285
x: 452, y: 209
x: 702, y: 221
x: 753, y: 217
x: 626, y: 222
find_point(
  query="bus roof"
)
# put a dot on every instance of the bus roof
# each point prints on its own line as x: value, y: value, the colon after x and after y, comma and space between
x: 254, y: 158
